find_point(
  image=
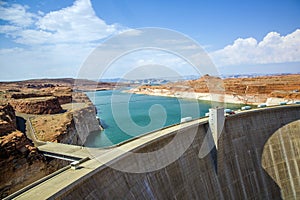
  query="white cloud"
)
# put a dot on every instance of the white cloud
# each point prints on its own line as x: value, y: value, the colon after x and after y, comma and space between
x: 8, y: 29
x: 16, y: 14
x: 75, y: 24
x: 56, y: 43
x: 274, y: 48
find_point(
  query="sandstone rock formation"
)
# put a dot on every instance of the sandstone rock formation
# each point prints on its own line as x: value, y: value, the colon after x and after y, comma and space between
x: 20, y: 162
x: 54, y: 118
x: 85, y: 122
x: 20, y: 95
x: 63, y: 94
x: 40, y: 105
x: 71, y: 127
x: 7, y: 119
x: 43, y: 100
x: 238, y: 90
x: 16, y: 152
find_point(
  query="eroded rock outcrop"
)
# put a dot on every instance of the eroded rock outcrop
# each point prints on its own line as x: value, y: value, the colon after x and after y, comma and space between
x: 63, y: 94
x: 20, y: 162
x: 236, y: 90
x: 41, y: 105
x: 7, y: 119
x: 85, y: 122
x: 63, y: 99
x: 20, y: 95
x: 17, y: 154
x: 33, y: 100
x: 71, y: 127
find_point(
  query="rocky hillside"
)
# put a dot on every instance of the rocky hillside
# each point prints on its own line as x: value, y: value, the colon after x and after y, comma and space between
x: 42, y: 100
x: 263, y: 85
x: 258, y: 85
x: 7, y: 119
x: 237, y: 90
x: 39, y: 105
x: 58, y: 114
x: 70, y: 127
x: 20, y: 162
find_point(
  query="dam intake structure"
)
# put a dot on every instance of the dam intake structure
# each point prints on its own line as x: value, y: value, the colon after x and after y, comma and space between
x: 243, y: 166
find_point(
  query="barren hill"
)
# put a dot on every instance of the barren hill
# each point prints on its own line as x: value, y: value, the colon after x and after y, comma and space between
x: 76, y: 84
x: 237, y: 90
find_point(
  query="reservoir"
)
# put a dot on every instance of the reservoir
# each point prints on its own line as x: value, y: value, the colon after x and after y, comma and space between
x: 125, y: 115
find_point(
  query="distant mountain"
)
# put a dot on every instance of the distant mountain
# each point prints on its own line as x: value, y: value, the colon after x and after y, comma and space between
x: 252, y: 75
x: 76, y: 84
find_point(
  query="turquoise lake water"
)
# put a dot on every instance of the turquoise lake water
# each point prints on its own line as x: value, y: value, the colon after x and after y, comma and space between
x: 125, y: 115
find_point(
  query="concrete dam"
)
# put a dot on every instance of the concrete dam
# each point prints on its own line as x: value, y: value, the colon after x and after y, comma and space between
x: 258, y: 157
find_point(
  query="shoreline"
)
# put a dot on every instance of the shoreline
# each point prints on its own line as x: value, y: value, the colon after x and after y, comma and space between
x: 223, y: 98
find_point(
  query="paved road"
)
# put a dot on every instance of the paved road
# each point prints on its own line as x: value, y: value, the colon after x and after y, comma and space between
x: 71, y: 150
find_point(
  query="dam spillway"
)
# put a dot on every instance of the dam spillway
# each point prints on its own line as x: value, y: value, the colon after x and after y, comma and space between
x: 239, y: 169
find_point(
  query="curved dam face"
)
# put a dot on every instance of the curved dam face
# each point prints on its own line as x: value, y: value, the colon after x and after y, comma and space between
x: 281, y: 159
x: 234, y: 171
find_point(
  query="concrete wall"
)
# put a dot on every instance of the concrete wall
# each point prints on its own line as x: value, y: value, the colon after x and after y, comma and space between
x: 281, y: 159
x: 240, y: 152
x: 234, y: 172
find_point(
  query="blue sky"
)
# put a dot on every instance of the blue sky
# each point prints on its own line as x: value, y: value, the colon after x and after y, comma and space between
x: 51, y: 38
